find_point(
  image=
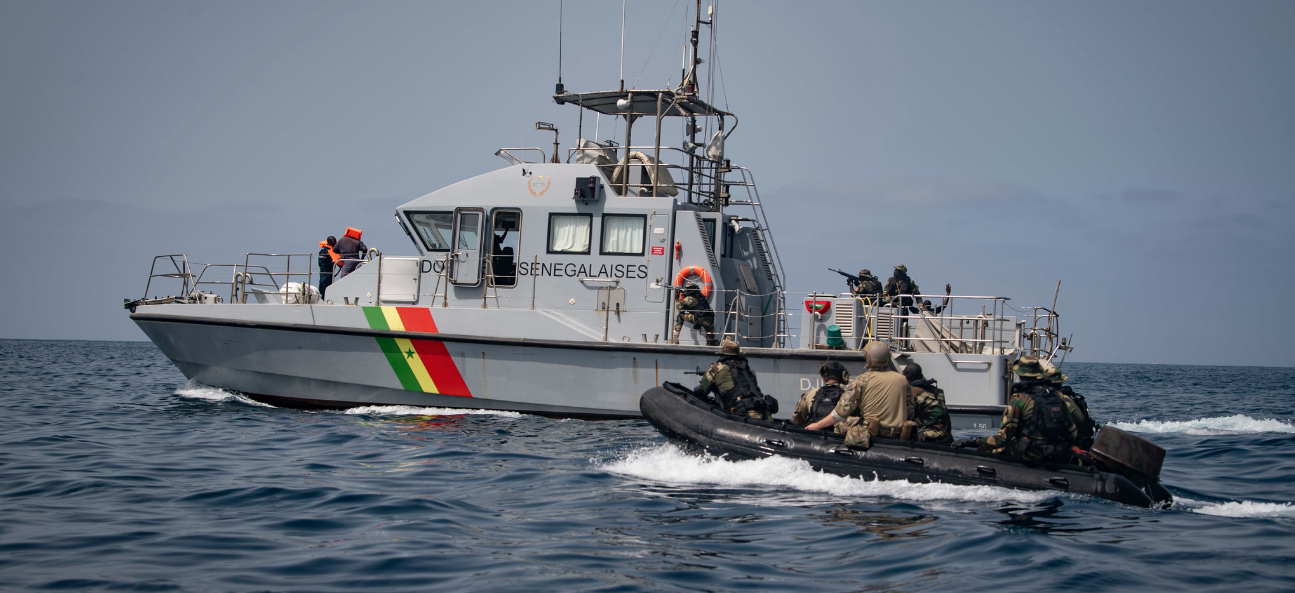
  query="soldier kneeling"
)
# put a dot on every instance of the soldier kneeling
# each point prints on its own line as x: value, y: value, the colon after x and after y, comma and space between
x: 732, y: 380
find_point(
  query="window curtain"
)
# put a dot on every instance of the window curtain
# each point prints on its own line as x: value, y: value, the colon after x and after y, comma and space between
x: 623, y: 234
x: 569, y: 233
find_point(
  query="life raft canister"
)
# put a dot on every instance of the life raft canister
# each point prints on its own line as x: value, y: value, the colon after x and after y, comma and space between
x: 820, y: 307
x: 353, y: 233
x: 699, y: 272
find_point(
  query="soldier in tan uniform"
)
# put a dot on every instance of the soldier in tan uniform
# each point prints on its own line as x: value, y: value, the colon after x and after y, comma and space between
x: 877, y: 403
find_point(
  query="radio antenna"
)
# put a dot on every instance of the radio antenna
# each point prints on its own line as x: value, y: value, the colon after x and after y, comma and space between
x: 559, y: 89
x: 622, y: 45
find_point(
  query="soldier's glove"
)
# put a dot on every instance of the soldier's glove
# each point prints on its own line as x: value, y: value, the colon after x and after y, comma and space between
x: 966, y: 443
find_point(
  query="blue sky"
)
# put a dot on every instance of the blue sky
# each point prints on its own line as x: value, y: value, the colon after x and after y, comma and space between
x: 1142, y: 153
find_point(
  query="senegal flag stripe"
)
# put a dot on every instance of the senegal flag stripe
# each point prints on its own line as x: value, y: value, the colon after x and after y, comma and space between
x: 416, y: 319
x: 415, y: 361
x: 393, y: 319
x: 420, y: 365
x: 441, y: 367
x: 376, y: 318
x: 397, y: 360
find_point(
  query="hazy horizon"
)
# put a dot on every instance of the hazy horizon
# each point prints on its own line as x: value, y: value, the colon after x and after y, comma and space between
x: 1140, y: 153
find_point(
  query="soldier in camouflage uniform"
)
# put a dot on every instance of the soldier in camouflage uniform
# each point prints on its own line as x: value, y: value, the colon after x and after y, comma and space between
x: 1036, y: 424
x: 694, y: 308
x: 733, y: 382
x: 877, y: 403
x: 929, y: 410
x: 900, y: 285
x: 868, y: 285
x: 818, y: 403
x: 1085, y: 426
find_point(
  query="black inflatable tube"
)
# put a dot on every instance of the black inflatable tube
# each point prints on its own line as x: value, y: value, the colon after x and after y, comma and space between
x: 679, y: 416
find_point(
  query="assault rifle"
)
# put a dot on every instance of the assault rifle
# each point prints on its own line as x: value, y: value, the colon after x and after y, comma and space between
x: 850, y: 279
x: 697, y: 372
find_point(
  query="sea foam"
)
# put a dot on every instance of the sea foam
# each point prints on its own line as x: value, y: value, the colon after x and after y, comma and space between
x: 1243, y: 509
x: 670, y: 465
x: 195, y: 390
x: 421, y: 411
x: 1219, y: 425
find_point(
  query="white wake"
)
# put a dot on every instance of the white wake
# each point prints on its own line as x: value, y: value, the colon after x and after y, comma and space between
x: 1243, y: 509
x: 195, y: 390
x: 421, y: 411
x: 1219, y: 425
x: 671, y: 465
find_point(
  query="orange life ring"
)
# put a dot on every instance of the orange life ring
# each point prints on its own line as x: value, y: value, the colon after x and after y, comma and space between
x: 699, y: 272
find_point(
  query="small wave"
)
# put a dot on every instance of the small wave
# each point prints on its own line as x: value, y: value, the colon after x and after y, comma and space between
x: 1247, y: 509
x: 671, y: 465
x: 1219, y: 425
x: 420, y: 411
x: 195, y: 390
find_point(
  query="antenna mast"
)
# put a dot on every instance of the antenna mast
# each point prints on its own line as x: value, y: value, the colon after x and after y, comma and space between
x: 559, y: 89
x: 623, y: 44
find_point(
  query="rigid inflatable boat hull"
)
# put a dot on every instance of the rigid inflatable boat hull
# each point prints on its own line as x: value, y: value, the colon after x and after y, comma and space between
x: 682, y: 417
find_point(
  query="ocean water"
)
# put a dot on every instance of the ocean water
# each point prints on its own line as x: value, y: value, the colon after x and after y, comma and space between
x: 117, y: 475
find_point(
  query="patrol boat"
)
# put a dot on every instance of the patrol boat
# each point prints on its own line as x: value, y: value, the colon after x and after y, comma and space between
x: 549, y: 286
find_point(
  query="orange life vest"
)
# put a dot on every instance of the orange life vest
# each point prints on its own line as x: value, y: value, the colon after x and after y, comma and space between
x: 353, y: 233
x: 325, y: 245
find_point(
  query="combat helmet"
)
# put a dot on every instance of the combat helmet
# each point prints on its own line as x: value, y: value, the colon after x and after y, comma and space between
x: 833, y: 368
x: 864, y: 273
x: 903, y: 268
x: 1054, y: 375
x: 1028, y: 367
x: 877, y: 355
x: 729, y: 348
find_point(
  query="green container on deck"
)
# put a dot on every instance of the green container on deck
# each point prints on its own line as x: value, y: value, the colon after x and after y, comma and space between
x: 834, y: 337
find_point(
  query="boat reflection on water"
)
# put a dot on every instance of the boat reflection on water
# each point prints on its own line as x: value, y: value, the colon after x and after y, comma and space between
x: 885, y: 525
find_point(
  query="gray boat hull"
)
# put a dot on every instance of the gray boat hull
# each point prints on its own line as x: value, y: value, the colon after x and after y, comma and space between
x: 306, y: 365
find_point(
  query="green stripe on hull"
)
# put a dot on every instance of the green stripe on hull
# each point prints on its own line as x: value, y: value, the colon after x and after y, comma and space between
x: 395, y: 357
x: 398, y: 364
x: 375, y: 317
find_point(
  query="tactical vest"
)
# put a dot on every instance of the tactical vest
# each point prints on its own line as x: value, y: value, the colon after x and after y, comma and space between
x: 1085, y: 428
x: 1050, y: 423
x: 943, y: 419
x: 825, y: 400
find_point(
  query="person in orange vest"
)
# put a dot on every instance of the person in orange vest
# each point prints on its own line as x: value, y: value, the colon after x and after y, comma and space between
x: 349, y: 247
x: 327, y: 259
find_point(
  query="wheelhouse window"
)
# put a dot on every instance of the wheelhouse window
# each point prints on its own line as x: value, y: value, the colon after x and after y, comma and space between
x: 570, y: 233
x: 434, y: 229
x: 506, y: 238
x: 623, y: 234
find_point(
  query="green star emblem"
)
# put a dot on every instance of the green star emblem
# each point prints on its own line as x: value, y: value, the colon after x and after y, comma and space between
x: 409, y: 353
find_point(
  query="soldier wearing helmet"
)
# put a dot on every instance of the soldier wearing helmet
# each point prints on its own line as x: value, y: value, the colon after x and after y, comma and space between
x: 1036, y: 426
x: 900, y: 288
x: 868, y: 285
x: 818, y: 403
x: 694, y: 308
x: 732, y: 380
x: 877, y: 403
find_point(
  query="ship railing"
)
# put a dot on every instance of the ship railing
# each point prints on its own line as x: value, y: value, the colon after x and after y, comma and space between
x: 176, y: 266
x: 953, y: 326
x: 277, y: 270
x: 697, y: 179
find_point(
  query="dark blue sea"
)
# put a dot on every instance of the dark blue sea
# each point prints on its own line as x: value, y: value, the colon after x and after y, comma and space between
x: 117, y: 475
